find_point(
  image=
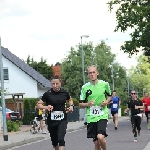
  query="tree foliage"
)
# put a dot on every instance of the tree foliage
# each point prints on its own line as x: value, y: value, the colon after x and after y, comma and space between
x: 42, y: 67
x: 140, y: 75
x: 135, y: 15
x: 99, y: 55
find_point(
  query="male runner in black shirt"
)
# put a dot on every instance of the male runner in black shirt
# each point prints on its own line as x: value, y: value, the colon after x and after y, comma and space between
x: 55, y: 100
x: 135, y: 105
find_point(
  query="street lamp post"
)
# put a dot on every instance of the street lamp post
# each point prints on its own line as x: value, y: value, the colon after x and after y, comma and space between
x: 112, y: 75
x: 144, y: 89
x: 128, y: 85
x: 5, y: 135
x: 83, y: 71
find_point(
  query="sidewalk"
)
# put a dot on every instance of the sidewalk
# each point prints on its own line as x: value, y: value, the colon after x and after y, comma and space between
x: 24, y: 136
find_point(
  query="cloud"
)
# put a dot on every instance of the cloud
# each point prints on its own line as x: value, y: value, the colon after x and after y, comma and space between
x: 12, y: 9
x: 49, y: 28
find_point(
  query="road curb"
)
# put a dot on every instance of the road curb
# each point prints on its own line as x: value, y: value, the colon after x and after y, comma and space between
x: 31, y: 140
x: 21, y: 143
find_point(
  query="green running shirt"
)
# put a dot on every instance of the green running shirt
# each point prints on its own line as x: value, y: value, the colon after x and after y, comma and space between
x: 98, y: 93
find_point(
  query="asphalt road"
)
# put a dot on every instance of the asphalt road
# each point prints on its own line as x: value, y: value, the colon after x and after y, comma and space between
x: 122, y: 139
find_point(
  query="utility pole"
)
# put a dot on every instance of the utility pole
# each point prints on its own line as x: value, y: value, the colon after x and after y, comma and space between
x: 128, y: 85
x: 83, y: 69
x: 112, y: 75
x: 5, y: 135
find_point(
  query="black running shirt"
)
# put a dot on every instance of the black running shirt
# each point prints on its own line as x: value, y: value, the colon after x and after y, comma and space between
x: 132, y: 103
x: 56, y: 99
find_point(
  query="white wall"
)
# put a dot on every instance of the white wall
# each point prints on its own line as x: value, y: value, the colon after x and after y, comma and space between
x: 41, y: 90
x: 19, y: 81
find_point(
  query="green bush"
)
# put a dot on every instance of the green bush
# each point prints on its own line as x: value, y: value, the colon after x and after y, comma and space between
x: 122, y: 110
x: 13, y: 126
x: 75, y: 101
x: 19, y: 123
x: 29, y: 110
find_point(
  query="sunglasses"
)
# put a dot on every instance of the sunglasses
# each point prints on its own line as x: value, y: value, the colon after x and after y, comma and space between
x: 133, y: 93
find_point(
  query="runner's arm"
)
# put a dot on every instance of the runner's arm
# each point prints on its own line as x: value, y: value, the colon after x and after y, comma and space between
x: 82, y: 102
x: 83, y: 105
x: 141, y: 105
x: 107, y: 94
x: 70, y: 101
x: 144, y: 104
x: 107, y: 101
x: 41, y: 106
x: 128, y: 109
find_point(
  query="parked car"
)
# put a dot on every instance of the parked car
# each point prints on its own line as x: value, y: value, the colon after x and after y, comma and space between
x: 11, y: 115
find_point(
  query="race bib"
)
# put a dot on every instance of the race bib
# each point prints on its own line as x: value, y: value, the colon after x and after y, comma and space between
x: 57, y: 115
x: 115, y: 105
x: 96, y: 111
x: 139, y: 115
x: 148, y: 107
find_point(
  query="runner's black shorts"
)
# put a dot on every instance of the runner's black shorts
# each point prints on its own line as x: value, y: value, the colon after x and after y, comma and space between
x: 58, y: 132
x: 114, y: 112
x: 95, y: 128
x: 39, y: 117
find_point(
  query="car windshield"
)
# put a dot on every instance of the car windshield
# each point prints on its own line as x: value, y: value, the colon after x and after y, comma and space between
x: 7, y: 110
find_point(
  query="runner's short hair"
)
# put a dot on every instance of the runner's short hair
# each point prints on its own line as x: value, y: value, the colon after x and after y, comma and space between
x: 55, y: 77
x: 92, y: 66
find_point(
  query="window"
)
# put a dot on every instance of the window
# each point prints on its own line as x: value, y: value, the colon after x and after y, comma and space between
x: 5, y: 72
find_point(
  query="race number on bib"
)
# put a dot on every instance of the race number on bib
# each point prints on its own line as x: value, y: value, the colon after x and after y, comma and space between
x: 115, y: 105
x: 57, y: 115
x: 148, y: 108
x: 96, y: 111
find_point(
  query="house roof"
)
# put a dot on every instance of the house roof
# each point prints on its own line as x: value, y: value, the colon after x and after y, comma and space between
x: 26, y: 68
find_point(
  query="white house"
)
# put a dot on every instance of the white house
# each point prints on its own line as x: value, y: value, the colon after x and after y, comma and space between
x: 19, y: 77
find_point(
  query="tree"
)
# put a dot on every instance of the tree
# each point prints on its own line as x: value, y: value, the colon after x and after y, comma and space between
x: 42, y: 67
x: 135, y: 15
x: 140, y: 75
x: 139, y: 82
x: 100, y: 55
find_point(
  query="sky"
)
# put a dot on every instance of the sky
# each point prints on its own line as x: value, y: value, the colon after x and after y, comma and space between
x: 48, y: 28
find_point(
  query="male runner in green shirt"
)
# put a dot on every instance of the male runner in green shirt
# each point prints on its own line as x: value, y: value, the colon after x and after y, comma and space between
x: 95, y: 95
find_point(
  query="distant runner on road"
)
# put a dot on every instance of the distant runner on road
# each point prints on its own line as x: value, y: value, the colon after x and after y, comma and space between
x: 146, y: 102
x: 135, y: 105
x: 114, y: 106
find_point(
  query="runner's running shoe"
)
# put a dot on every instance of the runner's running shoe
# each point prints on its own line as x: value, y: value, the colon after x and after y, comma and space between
x: 135, y: 139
